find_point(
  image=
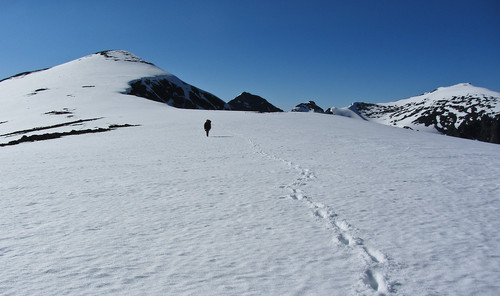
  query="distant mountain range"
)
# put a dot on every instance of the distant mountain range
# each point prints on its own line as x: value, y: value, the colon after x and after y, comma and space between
x: 462, y: 110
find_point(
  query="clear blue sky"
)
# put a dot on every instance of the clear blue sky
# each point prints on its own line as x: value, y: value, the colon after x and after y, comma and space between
x: 333, y: 52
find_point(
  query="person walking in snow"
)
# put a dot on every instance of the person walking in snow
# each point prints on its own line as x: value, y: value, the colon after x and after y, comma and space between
x: 208, y: 126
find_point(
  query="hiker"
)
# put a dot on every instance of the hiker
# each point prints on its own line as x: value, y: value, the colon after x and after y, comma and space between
x: 207, y: 126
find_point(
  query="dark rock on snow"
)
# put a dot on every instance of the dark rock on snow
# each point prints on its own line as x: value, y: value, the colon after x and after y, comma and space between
x: 248, y: 102
x: 185, y: 96
x: 309, y: 106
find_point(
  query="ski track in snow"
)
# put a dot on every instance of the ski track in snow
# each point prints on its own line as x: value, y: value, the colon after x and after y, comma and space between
x: 376, y: 263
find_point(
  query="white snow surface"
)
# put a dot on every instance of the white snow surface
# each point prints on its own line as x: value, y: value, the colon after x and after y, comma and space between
x: 269, y: 204
x: 346, y: 112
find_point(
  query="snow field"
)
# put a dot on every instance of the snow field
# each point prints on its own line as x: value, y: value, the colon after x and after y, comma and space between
x: 158, y: 209
x: 269, y: 204
x: 426, y: 202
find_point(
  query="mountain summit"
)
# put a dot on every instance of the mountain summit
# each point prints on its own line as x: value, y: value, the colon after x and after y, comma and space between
x: 167, y: 88
x: 119, y: 71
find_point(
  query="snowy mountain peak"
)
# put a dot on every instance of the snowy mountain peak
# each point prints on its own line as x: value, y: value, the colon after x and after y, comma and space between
x: 113, y: 71
x: 122, y: 55
x: 455, y: 86
x: 460, y: 110
x: 457, y: 90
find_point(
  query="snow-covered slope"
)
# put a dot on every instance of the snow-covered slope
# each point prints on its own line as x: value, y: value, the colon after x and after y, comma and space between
x: 346, y: 112
x: 115, y: 70
x: 461, y: 110
x: 269, y: 204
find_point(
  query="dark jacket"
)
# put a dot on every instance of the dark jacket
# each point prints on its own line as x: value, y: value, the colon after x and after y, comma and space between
x: 208, y: 125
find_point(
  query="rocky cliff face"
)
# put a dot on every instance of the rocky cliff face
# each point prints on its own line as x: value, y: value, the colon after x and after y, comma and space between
x: 249, y: 102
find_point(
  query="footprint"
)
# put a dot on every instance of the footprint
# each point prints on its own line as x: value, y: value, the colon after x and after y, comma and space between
x: 324, y: 213
x: 307, y: 174
x: 297, y: 195
x: 342, y: 225
x: 343, y: 240
x: 376, y: 281
x: 375, y: 255
x: 370, y: 280
x: 321, y: 213
x: 349, y: 240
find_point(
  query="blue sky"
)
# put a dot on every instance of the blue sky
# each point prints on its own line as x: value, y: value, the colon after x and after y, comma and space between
x: 332, y: 52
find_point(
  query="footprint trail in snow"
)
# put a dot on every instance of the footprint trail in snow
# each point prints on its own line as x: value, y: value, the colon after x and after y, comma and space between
x: 376, y: 265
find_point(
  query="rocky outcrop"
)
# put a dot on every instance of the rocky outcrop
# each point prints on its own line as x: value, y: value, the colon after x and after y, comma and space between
x: 249, y: 102
x: 122, y: 55
x: 473, y: 125
x: 309, y: 106
x: 179, y: 95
